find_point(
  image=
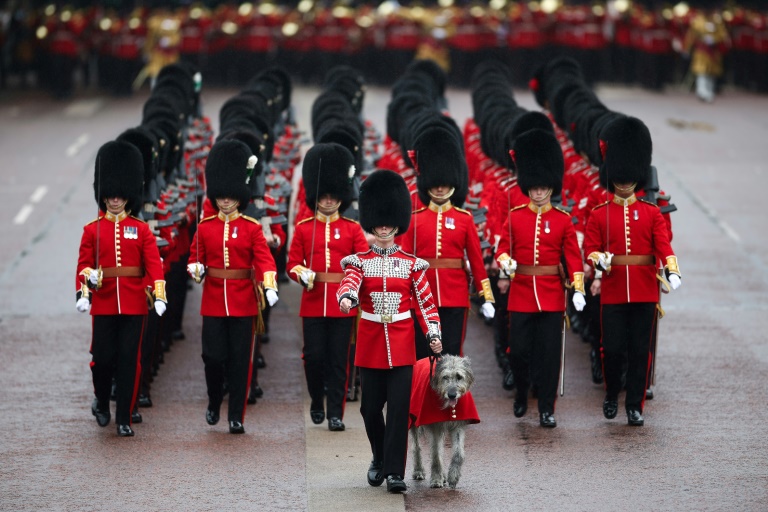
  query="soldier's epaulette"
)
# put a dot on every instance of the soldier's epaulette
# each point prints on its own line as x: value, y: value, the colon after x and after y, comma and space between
x: 208, y: 218
x: 138, y: 219
x: 643, y: 200
x: 600, y: 205
x: 561, y: 210
x: 347, y: 218
x: 302, y: 221
x: 419, y: 210
x: 251, y: 219
x: 462, y: 210
x: 518, y: 207
x: 94, y: 220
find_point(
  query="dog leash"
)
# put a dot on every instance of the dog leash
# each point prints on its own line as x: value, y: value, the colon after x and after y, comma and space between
x: 432, y: 359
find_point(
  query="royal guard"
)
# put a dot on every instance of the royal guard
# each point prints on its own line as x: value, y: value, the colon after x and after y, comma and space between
x: 626, y: 237
x: 707, y: 41
x: 442, y: 233
x: 118, y: 256
x: 229, y: 250
x: 536, y: 238
x: 314, y: 260
x: 385, y: 282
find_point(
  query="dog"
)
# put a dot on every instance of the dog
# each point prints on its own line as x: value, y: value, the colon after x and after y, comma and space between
x: 441, y: 403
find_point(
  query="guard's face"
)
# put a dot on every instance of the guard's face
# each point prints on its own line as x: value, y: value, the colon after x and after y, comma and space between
x: 441, y: 193
x: 327, y: 204
x: 624, y: 189
x: 539, y: 195
x: 227, y: 205
x: 115, y: 205
x: 383, y: 232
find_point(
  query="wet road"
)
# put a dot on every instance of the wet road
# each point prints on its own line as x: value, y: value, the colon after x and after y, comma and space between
x: 702, y: 447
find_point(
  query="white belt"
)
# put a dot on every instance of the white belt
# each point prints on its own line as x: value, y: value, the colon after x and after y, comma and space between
x: 385, y: 319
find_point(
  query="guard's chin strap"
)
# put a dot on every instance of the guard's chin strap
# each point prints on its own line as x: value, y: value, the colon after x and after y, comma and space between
x: 629, y: 188
x: 330, y: 210
x: 386, y: 237
x: 549, y: 194
x: 443, y: 197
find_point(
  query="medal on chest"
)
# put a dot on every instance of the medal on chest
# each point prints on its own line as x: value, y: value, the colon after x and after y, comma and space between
x: 234, y: 232
x: 636, y: 215
x: 546, y: 226
x: 130, y: 232
x: 450, y: 223
x: 336, y: 234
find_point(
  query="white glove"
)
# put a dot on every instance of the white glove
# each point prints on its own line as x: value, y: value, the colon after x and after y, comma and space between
x: 579, y: 301
x: 196, y: 271
x: 508, y: 266
x: 160, y: 307
x: 94, y: 277
x: 306, y: 276
x: 487, y: 310
x: 271, y: 297
x: 83, y: 304
x: 674, y: 281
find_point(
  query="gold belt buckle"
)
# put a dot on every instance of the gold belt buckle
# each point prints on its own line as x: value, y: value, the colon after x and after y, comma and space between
x: 385, y: 319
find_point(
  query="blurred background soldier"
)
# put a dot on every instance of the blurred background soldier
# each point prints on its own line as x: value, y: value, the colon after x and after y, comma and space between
x: 117, y: 251
x: 707, y: 41
x: 314, y: 261
x: 162, y: 45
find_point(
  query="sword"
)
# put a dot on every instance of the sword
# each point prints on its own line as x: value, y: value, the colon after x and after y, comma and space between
x: 311, y: 281
x: 562, y: 348
x: 98, y: 219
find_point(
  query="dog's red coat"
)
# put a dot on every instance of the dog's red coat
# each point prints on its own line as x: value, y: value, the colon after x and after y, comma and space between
x: 426, y: 405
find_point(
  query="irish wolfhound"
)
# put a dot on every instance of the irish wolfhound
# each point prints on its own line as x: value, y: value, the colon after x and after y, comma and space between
x: 441, y: 404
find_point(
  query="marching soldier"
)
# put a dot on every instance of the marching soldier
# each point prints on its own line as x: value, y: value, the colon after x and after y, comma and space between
x: 319, y: 243
x: 625, y: 238
x: 384, y: 282
x: 230, y: 251
x: 441, y: 233
x: 536, y: 237
x: 117, y: 254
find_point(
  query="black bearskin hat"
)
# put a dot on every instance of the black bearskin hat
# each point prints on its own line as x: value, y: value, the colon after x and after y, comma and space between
x: 328, y: 168
x: 438, y: 159
x: 146, y: 143
x: 119, y: 172
x: 626, y: 148
x: 228, y: 171
x: 539, y: 161
x: 385, y: 201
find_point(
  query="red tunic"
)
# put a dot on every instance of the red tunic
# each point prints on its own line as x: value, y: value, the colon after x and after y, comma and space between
x: 446, y: 233
x: 232, y: 242
x: 539, y: 237
x: 387, y: 282
x: 426, y: 406
x: 123, y: 241
x: 334, y: 238
x: 637, y: 228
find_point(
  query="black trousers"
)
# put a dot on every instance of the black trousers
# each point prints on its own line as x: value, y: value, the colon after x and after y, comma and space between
x: 534, y: 354
x: 389, y: 441
x: 115, y: 350
x: 148, y: 347
x: 227, y: 348
x: 326, y: 361
x: 453, y: 323
x: 627, y: 330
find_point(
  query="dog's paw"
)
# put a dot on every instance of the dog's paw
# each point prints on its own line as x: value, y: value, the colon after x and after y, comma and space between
x: 453, y: 483
x: 418, y: 475
x: 436, y: 484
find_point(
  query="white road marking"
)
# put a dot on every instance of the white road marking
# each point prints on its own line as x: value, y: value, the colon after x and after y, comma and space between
x: 75, y: 147
x: 25, y: 212
x: 83, y: 108
x: 38, y: 194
